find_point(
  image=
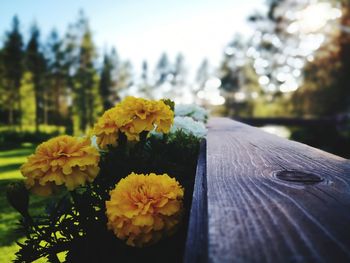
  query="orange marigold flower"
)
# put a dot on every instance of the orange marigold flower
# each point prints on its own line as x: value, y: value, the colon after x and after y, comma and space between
x: 132, y: 116
x: 144, y: 207
x: 64, y: 160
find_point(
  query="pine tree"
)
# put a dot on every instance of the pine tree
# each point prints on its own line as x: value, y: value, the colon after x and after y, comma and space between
x: 144, y: 74
x: 125, y: 77
x: 179, y: 71
x: 115, y: 63
x: 163, y: 69
x: 202, y: 75
x: 178, y: 76
x: 106, y: 82
x: 87, y: 102
x: 145, y: 87
x: 36, y: 63
x: 2, y: 91
x: 57, y: 79
x: 12, y: 70
x: 70, y: 47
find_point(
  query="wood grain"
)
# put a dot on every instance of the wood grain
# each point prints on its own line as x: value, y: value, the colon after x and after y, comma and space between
x: 274, y: 200
x: 197, y: 238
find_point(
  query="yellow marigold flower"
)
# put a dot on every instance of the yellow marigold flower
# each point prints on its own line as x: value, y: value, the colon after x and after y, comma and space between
x: 144, y: 208
x: 145, y: 115
x: 131, y: 117
x: 106, y: 129
x: 62, y: 160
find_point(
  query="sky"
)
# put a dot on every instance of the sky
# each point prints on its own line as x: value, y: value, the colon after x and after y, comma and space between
x: 142, y: 30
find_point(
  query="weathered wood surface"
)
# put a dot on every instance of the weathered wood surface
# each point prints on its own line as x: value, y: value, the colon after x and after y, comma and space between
x: 197, y: 238
x: 273, y: 200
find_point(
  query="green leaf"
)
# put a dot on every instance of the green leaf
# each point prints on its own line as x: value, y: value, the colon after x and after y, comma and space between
x: 170, y: 103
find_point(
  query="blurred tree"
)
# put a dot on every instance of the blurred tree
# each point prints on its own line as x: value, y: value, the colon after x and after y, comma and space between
x: 35, y: 62
x: 87, y: 103
x: 239, y: 80
x: 163, y: 69
x: 344, y: 55
x: 202, y: 75
x: 301, y: 59
x: 57, y: 80
x: 145, y: 88
x: 12, y: 70
x: 275, y: 47
x: 115, y: 62
x: 70, y: 47
x: 125, y: 77
x: 106, y: 82
x: 179, y: 71
x: 325, y: 89
x: 27, y: 94
x: 178, y: 76
x: 3, y: 92
x: 144, y: 74
x: 231, y: 66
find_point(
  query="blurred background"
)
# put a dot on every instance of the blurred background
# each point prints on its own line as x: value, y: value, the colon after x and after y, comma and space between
x: 281, y: 65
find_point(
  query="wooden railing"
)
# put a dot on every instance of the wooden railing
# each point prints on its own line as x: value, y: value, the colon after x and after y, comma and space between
x: 261, y: 198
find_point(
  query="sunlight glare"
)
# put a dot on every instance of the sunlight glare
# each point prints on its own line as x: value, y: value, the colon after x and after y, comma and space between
x: 313, y: 18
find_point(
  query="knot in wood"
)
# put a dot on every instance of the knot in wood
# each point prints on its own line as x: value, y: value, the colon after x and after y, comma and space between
x: 299, y: 177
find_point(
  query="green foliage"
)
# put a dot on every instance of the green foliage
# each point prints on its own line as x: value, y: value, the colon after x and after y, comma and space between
x: 170, y: 103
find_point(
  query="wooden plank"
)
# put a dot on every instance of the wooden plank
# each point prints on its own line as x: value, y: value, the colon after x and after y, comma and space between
x: 196, y: 249
x: 274, y: 200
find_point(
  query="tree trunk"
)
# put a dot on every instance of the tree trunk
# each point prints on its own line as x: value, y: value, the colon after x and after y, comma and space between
x: 11, y: 114
x: 20, y: 111
x: 45, y: 103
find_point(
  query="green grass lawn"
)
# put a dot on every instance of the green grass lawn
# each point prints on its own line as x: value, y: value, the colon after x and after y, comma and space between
x: 10, y: 161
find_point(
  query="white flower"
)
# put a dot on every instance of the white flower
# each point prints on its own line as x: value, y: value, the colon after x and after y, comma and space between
x: 189, y: 126
x: 192, y: 110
